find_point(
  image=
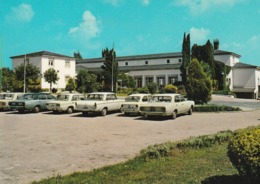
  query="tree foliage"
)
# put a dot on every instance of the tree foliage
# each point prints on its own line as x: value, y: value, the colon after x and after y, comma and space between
x: 205, y: 53
x: 127, y: 81
x: 51, y: 76
x: 185, y: 57
x: 109, y: 69
x: 86, y: 82
x: 31, y: 72
x: 71, y: 85
x: 198, y: 86
x: 152, y: 87
x: 9, y: 82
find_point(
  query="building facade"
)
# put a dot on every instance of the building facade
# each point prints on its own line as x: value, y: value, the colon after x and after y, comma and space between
x: 64, y: 65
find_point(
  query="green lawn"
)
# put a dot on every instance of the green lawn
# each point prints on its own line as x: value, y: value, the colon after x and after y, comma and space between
x: 198, y: 160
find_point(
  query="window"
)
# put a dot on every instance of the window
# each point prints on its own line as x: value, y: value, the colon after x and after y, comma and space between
x: 148, y: 80
x: 42, y: 97
x: 168, y: 61
x: 161, y: 81
x: 138, y: 81
x: 51, y: 62
x: 126, y: 63
x: 146, y: 62
x: 172, y: 79
x: 67, y: 64
x: 67, y: 77
x: 180, y: 60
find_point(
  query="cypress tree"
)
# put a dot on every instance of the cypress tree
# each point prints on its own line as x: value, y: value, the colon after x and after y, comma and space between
x: 185, y: 57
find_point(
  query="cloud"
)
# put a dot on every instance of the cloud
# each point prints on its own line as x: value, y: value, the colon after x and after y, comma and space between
x: 199, y: 35
x: 87, y: 29
x: 21, y: 13
x: 146, y: 2
x: 254, y: 41
x: 113, y: 2
x: 196, y: 7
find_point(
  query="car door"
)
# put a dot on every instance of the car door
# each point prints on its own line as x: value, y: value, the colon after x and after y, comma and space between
x: 42, y: 100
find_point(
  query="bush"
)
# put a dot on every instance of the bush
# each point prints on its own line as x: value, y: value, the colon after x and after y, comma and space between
x: 170, y: 88
x: 244, y: 153
x: 206, y: 140
x: 214, y: 108
x: 152, y: 87
x: 156, y: 151
x: 143, y: 90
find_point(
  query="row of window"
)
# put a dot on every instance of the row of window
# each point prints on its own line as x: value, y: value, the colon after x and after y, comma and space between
x: 167, y: 61
x: 160, y: 80
x: 51, y: 63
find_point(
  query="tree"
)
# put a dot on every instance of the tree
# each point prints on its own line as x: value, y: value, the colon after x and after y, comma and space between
x: 185, y: 57
x: 32, y: 73
x: 110, y: 69
x: 127, y: 81
x: 70, y: 86
x: 86, y: 82
x: 9, y: 82
x: 205, y: 53
x: 198, y: 86
x: 51, y: 76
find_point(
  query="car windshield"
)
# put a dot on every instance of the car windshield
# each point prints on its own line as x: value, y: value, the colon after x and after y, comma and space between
x: 95, y: 97
x: 132, y: 99
x: 30, y: 96
x: 162, y: 98
x: 63, y: 97
x: 7, y: 96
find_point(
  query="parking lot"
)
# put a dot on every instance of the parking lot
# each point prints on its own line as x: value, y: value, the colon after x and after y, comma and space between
x: 34, y: 146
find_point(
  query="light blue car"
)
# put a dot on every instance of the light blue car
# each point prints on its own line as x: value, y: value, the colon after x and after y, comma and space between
x: 34, y: 102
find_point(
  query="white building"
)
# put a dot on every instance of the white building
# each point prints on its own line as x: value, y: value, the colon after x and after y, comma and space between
x: 64, y: 65
x: 164, y: 69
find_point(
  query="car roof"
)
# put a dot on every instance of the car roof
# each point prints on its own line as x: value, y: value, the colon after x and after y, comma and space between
x: 102, y: 93
x: 140, y: 94
x: 167, y: 94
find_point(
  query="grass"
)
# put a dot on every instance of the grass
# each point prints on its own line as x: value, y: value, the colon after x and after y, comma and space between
x: 196, y: 160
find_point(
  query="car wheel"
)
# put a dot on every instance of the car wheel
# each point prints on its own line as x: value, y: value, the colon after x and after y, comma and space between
x: 84, y: 113
x: 104, y: 112
x: 21, y: 111
x: 70, y: 110
x: 190, y: 111
x: 174, y: 115
x: 36, y: 109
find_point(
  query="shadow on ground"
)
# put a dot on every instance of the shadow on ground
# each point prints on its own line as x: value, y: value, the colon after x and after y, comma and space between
x: 233, y: 179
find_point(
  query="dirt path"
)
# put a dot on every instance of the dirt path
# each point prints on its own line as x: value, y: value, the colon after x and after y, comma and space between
x: 34, y: 146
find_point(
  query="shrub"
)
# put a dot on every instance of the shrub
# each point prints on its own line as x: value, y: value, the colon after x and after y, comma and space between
x: 152, y: 87
x: 244, y: 153
x: 214, y: 108
x: 156, y: 151
x: 170, y: 88
x: 143, y: 90
x: 206, y: 140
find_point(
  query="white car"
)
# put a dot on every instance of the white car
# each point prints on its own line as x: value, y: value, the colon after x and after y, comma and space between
x: 65, y: 102
x: 101, y: 102
x: 167, y: 105
x: 7, y: 97
x: 132, y: 103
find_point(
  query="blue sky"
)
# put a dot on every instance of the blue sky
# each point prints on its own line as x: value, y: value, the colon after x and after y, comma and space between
x: 133, y: 26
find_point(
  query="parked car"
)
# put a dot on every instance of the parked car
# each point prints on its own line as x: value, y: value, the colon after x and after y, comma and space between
x: 167, y: 105
x: 35, y: 102
x: 7, y: 97
x: 65, y: 102
x: 100, y: 102
x: 132, y: 103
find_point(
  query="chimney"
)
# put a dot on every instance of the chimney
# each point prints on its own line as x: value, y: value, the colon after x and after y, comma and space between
x: 216, y: 44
